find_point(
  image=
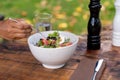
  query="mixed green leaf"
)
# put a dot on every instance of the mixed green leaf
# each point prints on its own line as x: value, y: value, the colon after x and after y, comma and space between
x: 53, y: 41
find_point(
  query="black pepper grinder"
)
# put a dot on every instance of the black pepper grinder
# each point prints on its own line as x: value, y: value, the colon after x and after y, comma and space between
x: 94, y: 26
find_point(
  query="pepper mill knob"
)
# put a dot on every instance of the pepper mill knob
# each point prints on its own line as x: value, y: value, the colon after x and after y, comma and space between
x: 116, y: 25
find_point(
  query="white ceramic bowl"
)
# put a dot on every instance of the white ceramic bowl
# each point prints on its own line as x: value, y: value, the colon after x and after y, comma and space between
x: 52, y: 58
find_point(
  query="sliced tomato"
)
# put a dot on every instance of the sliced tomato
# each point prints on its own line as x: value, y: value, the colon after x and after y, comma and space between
x: 45, y: 42
x: 68, y: 43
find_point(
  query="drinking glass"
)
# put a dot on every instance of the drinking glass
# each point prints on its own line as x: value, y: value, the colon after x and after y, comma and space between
x: 43, y: 22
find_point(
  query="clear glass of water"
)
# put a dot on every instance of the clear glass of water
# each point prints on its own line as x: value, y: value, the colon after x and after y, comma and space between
x: 43, y: 22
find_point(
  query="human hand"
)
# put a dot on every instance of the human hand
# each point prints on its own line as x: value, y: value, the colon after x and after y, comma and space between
x: 13, y: 29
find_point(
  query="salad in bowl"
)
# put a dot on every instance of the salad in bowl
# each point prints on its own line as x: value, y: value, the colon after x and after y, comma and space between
x: 53, y: 40
x: 53, y: 48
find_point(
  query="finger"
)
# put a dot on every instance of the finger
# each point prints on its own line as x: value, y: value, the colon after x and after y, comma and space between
x: 26, y: 25
x: 21, y: 35
x: 24, y: 22
x: 15, y: 30
x: 14, y: 23
x: 22, y: 25
x: 17, y: 25
x: 28, y: 30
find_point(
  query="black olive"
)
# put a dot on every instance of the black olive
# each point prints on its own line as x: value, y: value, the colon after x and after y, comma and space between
x: 48, y: 38
x: 54, y: 38
x: 41, y: 39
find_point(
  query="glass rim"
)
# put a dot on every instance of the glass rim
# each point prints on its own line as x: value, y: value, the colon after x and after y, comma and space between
x: 44, y: 15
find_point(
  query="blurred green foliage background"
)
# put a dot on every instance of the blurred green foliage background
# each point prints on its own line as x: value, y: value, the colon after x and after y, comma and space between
x: 68, y: 15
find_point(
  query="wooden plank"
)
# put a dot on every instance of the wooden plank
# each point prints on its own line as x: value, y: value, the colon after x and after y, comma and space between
x: 11, y: 70
x: 21, y: 65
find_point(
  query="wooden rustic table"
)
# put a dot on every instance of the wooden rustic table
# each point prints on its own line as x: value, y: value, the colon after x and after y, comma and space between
x: 21, y: 65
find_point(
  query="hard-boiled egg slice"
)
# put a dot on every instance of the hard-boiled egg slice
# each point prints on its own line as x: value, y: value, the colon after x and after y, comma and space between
x: 62, y: 40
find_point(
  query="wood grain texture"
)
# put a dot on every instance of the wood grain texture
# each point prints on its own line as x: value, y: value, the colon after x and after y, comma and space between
x: 21, y: 65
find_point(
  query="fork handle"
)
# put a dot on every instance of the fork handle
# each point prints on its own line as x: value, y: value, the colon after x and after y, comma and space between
x: 94, y: 76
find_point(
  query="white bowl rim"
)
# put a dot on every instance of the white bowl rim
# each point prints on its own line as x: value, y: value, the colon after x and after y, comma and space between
x: 76, y: 41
